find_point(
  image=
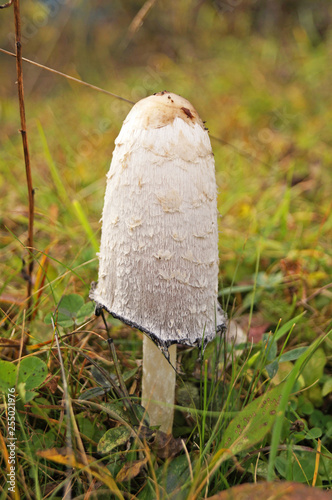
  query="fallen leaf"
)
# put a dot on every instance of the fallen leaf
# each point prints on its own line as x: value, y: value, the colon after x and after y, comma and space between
x: 165, y: 445
x: 117, y: 436
x: 253, y: 422
x: 51, y: 382
x: 86, y: 463
x: 256, y: 333
x: 9, y: 342
x: 7, y: 300
x: 258, y: 326
x: 273, y: 491
x: 130, y: 470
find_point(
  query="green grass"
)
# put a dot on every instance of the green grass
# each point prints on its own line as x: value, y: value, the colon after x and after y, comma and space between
x: 266, y: 105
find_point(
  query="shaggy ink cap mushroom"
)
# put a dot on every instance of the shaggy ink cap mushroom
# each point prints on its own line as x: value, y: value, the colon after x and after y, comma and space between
x: 158, y: 259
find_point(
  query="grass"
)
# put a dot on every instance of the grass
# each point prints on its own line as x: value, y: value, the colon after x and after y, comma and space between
x: 265, y: 105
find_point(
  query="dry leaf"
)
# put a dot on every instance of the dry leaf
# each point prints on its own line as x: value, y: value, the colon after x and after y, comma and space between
x: 130, y: 470
x: 51, y: 382
x: 165, y: 445
x: 273, y: 491
x: 77, y: 461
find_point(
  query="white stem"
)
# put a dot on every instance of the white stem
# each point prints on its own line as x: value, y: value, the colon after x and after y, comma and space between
x: 158, y: 385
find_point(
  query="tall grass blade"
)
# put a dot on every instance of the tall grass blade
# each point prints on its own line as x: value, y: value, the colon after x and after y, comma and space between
x: 61, y: 189
x: 288, y: 386
x: 85, y: 224
x: 287, y: 326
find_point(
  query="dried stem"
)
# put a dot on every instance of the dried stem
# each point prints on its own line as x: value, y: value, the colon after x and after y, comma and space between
x: 138, y: 20
x: 23, y: 132
x: 77, y: 80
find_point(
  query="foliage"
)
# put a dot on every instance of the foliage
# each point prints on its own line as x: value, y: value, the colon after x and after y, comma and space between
x: 30, y: 374
x: 260, y: 410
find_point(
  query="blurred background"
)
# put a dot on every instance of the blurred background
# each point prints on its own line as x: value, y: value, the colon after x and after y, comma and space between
x: 258, y: 72
x: 100, y: 40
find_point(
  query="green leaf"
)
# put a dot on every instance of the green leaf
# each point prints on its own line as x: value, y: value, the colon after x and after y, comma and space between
x: 71, y: 310
x: 293, y: 354
x: 86, y: 426
x: 7, y: 375
x: 141, y: 414
x: 317, y: 418
x: 60, y: 318
x: 235, y: 289
x: 327, y: 387
x: 116, y: 409
x: 100, y: 378
x: 253, y: 422
x: 127, y: 375
x: 314, y: 433
x: 281, y: 465
x: 32, y: 372
x: 300, y: 467
x: 37, y: 407
x: 307, y: 408
x: 272, y: 368
x: 269, y: 281
x: 70, y: 305
x: 48, y: 318
x: 265, y: 281
x: 303, y: 467
x: 85, y: 312
x: 288, y: 386
x: 271, y: 349
x: 94, y: 392
x: 314, y: 369
x: 42, y: 440
x: 170, y: 480
x: 25, y: 395
x: 113, y: 438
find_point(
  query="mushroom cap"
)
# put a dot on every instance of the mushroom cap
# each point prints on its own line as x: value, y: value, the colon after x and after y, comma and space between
x: 158, y: 259
x: 161, y: 109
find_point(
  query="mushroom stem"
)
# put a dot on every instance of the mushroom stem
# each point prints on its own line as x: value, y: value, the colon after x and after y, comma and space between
x: 158, y: 385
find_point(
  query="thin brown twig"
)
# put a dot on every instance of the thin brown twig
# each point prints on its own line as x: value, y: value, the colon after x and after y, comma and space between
x: 239, y: 151
x: 23, y: 131
x: 99, y: 89
x: 138, y: 20
x: 77, y: 80
x: 314, y: 294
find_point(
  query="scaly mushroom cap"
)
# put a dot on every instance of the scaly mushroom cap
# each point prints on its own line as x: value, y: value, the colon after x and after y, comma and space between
x: 158, y: 259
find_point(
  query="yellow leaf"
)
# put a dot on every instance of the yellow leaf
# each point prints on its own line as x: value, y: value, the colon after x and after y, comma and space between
x: 60, y: 456
x: 130, y: 470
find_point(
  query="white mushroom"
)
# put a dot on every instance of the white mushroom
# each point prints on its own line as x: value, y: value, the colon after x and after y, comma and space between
x: 158, y: 260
